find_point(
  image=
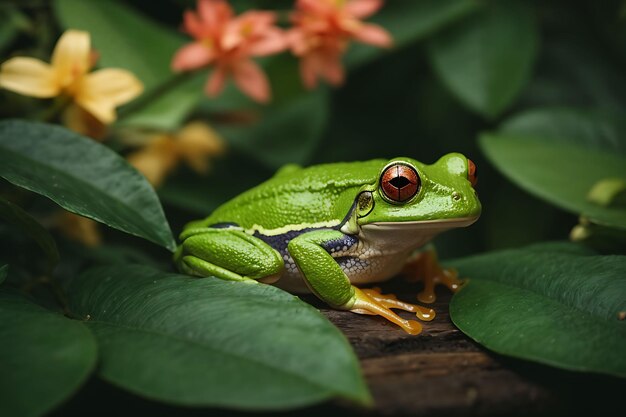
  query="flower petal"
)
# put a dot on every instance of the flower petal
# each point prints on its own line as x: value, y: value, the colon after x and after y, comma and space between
x: 192, y: 25
x: 156, y: 160
x: 309, y: 70
x: 196, y: 142
x: 216, y: 82
x: 71, y: 56
x: 373, y: 35
x: 103, y: 90
x: 316, y: 7
x: 192, y: 56
x: 214, y: 13
x: 81, y: 121
x: 252, y: 81
x: 273, y: 42
x: 332, y: 69
x: 29, y: 76
x: 362, y: 8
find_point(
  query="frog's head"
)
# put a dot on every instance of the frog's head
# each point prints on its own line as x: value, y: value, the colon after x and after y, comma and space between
x: 438, y: 196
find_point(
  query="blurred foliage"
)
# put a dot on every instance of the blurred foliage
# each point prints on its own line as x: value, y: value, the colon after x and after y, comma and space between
x: 534, y: 92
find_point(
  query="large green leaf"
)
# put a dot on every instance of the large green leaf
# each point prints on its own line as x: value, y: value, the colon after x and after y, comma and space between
x: 557, y: 172
x: 211, y: 342
x: 83, y: 177
x: 592, y: 128
x: 487, y: 58
x: 15, y: 216
x: 44, y: 357
x: 409, y: 21
x: 552, y: 303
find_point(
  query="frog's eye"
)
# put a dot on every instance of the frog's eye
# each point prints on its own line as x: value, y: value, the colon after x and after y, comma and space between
x: 472, y: 173
x: 400, y: 182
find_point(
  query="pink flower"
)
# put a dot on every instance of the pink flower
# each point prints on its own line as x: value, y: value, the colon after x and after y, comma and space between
x: 322, y: 31
x: 227, y: 43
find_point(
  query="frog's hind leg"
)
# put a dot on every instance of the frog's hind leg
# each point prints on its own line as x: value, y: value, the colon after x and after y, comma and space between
x: 424, y: 266
x: 328, y: 281
x: 228, y: 254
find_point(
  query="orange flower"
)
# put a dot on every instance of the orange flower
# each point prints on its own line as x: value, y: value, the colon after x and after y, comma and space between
x: 227, y: 42
x: 68, y: 74
x: 322, y: 31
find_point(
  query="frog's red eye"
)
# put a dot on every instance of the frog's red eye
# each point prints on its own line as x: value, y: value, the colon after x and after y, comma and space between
x: 472, y: 173
x: 399, y: 182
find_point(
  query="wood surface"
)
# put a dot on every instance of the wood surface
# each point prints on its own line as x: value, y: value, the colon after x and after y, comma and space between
x: 443, y: 372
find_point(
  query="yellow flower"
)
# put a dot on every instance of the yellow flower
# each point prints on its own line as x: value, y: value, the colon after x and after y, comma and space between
x: 78, y: 228
x: 194, y: 143
x: 98, y: 92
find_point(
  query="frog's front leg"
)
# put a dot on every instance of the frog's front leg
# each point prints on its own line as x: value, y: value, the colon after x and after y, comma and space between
x: 327, y: 280
x: 424, y: 266
x: 228, y: 254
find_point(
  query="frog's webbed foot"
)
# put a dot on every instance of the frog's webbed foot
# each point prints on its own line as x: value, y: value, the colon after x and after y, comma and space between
x: 425, y: 266
x: 371, y: 301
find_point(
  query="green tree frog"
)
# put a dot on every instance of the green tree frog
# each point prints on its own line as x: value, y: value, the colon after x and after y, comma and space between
x: 330, y: 229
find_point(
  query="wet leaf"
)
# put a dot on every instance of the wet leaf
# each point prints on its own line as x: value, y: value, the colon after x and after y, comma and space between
x: 224, y: 343
x: 557, y: 304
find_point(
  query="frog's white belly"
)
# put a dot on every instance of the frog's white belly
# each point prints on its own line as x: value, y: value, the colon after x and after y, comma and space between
x: 379, y: 254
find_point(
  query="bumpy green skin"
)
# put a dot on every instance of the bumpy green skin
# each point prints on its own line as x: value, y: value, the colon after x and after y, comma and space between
x: 312, y: 209
x: 296, y: 195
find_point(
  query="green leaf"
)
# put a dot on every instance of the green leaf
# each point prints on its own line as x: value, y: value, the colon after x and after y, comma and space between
x: 167, y: 107
x: 83, y: 177
x: 14, y: 215
x: 558, y: 173
x: 487, y: 58
x: 3, y: 273
x: 288, y: 131
x: 409, y: 21
x: 11, y: 22
x: 554, y: 304
x: 127, y: 39
x: 592, y: 128
x: 223, y: 343
x: 44, y: 357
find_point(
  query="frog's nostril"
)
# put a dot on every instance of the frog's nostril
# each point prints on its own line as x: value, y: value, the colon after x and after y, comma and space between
x: 456, y: 196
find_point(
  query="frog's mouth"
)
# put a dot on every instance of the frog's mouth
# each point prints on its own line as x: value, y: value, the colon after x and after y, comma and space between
x: 435, y: 225
x: 397, y: 236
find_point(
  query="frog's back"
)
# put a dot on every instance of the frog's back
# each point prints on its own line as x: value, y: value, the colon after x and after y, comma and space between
x: 313, y: 196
